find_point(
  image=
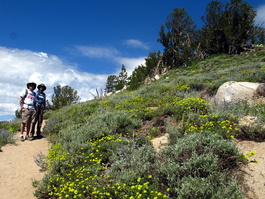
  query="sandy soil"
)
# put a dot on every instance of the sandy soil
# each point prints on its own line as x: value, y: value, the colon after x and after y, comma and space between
x: 17, y: 168
x: 254, y: 173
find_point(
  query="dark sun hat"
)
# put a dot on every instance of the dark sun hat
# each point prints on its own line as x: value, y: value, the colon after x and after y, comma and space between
x: 42, y: 85
x: 31, y: 84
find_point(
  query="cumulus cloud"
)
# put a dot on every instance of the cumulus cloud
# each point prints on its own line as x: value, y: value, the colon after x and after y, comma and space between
x: 18, y: 67
x: 260, y: 18
x: 130, y: 63
x: 136, y: 44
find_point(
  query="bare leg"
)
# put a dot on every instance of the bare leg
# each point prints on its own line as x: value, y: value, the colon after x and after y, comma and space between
x: 22, y: 128
x: 32, y: 129
x: 28, y: 128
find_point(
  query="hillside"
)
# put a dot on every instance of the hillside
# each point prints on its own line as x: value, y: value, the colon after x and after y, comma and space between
x: 102, y: 148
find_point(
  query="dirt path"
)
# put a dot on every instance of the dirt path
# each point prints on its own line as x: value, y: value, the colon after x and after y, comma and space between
x: 17, y: 168
x: 254, y: 173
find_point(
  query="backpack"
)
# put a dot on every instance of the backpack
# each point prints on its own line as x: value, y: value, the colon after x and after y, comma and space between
x: 26, y: 93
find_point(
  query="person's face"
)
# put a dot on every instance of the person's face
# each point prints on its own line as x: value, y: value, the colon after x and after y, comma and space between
x: 31, y: 87
x: 41, y: 88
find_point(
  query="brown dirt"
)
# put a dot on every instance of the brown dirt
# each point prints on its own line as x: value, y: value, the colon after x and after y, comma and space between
x: 253, y: 173
x: 18, y: 169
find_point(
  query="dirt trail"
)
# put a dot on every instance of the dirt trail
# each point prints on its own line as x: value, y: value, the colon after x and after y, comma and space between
x: 254, y: 173
x: 17, y: 168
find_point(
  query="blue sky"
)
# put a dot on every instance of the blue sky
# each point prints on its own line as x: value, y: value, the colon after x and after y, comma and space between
x: 79, y: 42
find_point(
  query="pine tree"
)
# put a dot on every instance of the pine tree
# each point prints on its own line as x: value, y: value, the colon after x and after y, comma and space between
x: 122, y: 79
x: 177, y: 36
x: 63, y: 96
x: 154, y: 63
x: 212, y: 35
x: 137, y: 78
x: 110, y: 85
x: 228, y: 26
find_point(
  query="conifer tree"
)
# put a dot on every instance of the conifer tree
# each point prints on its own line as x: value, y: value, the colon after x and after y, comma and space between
x: 137, y: 78
x: 177, y: 36
x: 110, y: 84
x: 154, y: 63
x: 63, y: 96
x: 228, y: 26
x: 122, y: 79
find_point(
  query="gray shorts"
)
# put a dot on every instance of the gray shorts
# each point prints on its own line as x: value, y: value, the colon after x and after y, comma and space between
x: 28, y: 115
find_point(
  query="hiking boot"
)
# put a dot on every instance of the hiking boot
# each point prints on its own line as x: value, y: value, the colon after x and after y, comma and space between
x: 26, y: 137
x: 31, y: 137
x: 21, y: 138
x: 39, y: 136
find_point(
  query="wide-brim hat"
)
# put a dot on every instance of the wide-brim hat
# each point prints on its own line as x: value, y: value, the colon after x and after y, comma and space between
x: 31, y: 84
x: 42, y: 85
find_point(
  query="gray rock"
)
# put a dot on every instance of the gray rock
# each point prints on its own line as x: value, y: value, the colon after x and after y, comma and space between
x: 239, y: 91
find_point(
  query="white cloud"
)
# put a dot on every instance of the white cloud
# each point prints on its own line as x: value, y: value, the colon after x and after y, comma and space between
x: 130, y: 63
x: 97, y: 52
x: 136, y: 44
x: 18, y: 67
x: 114, y: 55
x: 260, y: 18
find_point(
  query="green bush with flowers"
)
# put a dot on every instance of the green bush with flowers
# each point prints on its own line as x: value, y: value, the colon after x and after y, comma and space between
x: 139, y: 107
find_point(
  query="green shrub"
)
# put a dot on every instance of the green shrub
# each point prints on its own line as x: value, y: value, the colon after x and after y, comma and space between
x: 139, y: 107
x: 254, y: 132
x: 131, y: 162
x: 13, y: 125
x: 133, y: 173
x: 193, y: 187
x: 6, y: 137
x: 260, y: 53
x: 196, y: 123
x: 68, y: 116
x: 7, y: 131
x: 48, y: 114
x: 182, y: 108
x: 199, y: 159
x: 105, y: 123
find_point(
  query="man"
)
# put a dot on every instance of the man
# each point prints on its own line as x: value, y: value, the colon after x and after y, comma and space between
x: 40, y: 105
x: 27, y: 98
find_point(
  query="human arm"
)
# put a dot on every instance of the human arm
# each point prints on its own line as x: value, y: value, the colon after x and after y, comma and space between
x: 21, y: 102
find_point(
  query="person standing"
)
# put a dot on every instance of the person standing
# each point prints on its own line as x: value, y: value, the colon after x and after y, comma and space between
x: 40, y: 105
x: 27, y: 98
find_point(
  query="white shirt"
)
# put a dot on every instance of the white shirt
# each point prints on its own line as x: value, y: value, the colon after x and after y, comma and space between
x: 29, y: 98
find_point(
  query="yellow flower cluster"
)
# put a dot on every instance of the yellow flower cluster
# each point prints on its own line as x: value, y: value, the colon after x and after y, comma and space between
x: 85, y: 181
x: 207, y: 122
x: 140, y: 189
x: 181, y: 86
